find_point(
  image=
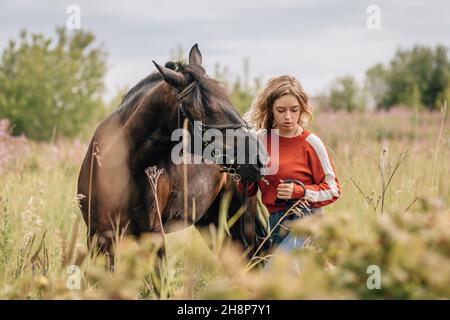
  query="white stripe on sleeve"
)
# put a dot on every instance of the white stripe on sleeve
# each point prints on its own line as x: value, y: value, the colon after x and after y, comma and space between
x: 330, y: 177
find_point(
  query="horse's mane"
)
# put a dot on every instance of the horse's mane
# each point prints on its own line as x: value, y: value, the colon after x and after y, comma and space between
x: 200, y: 98
x: 147, y: 81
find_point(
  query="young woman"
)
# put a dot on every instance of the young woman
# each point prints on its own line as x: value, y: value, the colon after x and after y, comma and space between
x: 305, y: 170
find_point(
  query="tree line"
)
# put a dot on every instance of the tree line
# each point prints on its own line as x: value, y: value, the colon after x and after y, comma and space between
x: 53, y: 86
x: 415, y: 78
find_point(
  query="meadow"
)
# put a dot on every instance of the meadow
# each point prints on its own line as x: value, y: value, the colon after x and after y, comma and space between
x: 394, y: 170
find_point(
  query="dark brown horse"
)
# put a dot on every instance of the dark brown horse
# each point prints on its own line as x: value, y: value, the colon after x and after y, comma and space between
x: 116, y: 192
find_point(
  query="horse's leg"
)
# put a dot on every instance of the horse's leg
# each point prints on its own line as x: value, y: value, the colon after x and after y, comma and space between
x: 205, y: 183
x: 147, y: 217
x: 104, y: 207
x: 243, y: 230
x: 211, y: 217
x: 111, y: 221
x: 106, y: 185
x: 249, y: 230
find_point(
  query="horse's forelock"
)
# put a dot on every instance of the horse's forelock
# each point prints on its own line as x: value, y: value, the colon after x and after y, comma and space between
x: 209, y: 95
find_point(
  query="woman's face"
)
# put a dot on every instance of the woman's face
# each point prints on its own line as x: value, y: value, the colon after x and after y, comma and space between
x: 286, y: 112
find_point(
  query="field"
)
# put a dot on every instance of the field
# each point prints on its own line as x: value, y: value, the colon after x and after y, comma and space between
x: 393, y: 216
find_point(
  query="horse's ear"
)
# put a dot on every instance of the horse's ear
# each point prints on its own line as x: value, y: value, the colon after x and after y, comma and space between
x: 195, y: 57
x: 174, y: 78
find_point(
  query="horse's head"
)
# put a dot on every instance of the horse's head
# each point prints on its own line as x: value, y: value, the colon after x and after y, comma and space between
x: 219, y: 132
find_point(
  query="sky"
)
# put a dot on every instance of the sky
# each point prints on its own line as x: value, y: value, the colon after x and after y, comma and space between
x: 316, y: 41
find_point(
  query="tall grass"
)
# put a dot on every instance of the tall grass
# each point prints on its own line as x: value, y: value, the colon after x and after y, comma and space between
x: 393, y: 213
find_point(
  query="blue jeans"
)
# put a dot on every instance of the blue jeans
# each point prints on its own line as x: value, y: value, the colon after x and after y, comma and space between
x: 282, y: 238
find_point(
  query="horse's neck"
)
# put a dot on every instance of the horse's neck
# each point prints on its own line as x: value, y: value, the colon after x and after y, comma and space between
x: 149, y: 133
x: 149, y: 117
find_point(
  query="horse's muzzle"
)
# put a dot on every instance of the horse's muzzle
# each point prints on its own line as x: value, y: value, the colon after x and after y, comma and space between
x: 253, y: 171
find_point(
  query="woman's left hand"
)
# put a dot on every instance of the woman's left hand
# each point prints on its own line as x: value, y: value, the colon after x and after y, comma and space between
x: 285, y: 190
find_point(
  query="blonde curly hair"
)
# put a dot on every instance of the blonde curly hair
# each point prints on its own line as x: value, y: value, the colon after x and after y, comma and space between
x: 260, y: 115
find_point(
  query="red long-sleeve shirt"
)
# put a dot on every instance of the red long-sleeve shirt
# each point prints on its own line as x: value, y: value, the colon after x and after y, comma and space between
x: 303, y: 158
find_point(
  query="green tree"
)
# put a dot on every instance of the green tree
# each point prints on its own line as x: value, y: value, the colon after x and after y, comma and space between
x: 49, y: 86
x: 376, y: 84
x: 241, y: 94
x: 346, y: 95
x: 241, y: 97
x: 439, y: 87
x: 416, y: 77
x: 409, y: 77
